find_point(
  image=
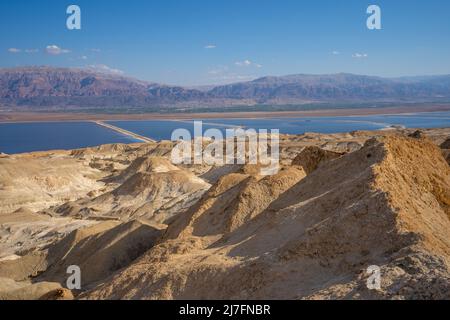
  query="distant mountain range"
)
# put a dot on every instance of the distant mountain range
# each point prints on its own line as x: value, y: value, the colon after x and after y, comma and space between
x: 46, y: 88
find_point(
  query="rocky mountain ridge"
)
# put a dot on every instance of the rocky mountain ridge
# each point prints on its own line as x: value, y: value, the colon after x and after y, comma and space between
x: 47, y: 88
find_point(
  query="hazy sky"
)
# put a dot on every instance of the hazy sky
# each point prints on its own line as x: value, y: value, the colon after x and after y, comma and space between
x: 194, y: 42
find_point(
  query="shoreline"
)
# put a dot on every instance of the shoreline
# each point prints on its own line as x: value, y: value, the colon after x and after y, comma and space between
x: 23, y: 117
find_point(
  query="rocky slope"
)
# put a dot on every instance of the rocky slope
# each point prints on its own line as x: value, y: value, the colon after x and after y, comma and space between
x: 317, y: 238
x: 156, y: 193
x: 37, y: 182
x: 143, y: 228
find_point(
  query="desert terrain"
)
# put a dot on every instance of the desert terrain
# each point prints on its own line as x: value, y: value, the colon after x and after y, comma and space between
x: 140, y: 227
x: 11, y: 117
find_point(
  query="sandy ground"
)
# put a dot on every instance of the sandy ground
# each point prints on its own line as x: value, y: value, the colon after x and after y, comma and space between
x: 37, y: 117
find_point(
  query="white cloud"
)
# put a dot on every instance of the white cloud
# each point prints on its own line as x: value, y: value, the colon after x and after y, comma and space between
x: 360, y: 55
x: 14, y: 50
x: 335, y: 53
x: 210, y: 46
x: 244, y: 63
x: 95, y: 50
x: 83, y: 57
x: 247, y: 63
x: 104, y: 69
x: 55, y: 50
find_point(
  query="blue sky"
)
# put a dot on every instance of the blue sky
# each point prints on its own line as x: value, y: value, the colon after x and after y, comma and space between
x: 199, y: 42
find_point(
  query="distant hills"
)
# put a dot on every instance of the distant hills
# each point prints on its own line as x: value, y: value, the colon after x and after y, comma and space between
x: 47, y: 88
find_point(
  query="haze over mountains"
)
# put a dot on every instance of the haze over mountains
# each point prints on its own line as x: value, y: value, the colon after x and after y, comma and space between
x: 47, y: 88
